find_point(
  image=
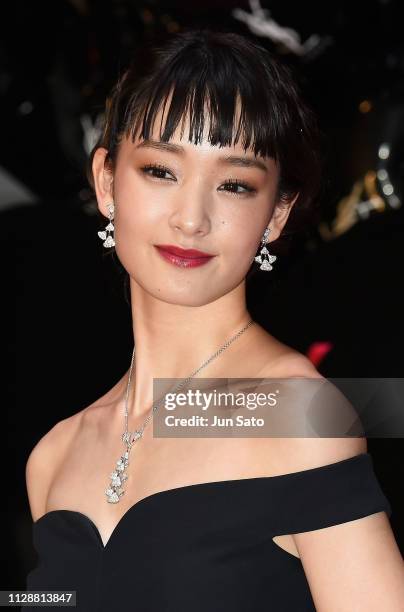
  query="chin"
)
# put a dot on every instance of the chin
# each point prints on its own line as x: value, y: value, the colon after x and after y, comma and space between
x: 187, y: 297
x: 179, y: 293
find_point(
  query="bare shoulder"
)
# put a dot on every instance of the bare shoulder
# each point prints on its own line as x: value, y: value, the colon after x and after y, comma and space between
x: 294, y: 454
x: 44, y: 459
x: 283, y: 360
x: 48, y: 454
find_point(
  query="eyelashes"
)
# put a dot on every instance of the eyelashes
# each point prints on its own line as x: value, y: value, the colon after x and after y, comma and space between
x: 157, y: 168
x: 158, y: 171
x: 238, y: 183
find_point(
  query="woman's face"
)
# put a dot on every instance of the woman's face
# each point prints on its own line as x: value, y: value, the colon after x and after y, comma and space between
x: 216, y: 200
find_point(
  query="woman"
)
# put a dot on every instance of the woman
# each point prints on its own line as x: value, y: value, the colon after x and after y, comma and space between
x: 205, y: 523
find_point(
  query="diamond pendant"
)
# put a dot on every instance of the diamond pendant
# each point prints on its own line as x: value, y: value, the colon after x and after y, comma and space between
x: 265, y: 263
x: 109, y: 242
x: 266, y: 266
x: 119, y: 476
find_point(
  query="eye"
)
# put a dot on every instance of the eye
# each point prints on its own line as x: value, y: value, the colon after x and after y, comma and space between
x: 235, y: 184
x: 232, y: 186
x: 156, y: 171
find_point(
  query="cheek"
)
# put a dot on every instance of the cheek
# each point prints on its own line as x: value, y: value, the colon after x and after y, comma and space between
x: 236, y: 239
x: 138, y: 210
x: 242, y: 230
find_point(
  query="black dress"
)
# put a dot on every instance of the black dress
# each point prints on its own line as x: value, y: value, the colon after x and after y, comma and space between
x: 204, y: 547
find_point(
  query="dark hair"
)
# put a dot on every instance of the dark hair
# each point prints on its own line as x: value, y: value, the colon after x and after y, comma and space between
x: 202, y: 65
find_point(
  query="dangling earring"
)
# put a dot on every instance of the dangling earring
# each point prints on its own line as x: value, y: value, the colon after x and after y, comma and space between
x: 265, y: 263
x: 108, y: 240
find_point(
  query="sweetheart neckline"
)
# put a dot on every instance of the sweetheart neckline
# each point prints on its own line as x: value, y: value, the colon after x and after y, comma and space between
x: 165, y: 492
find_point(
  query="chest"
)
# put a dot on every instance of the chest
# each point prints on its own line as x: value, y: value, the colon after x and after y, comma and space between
x: 155, y: 465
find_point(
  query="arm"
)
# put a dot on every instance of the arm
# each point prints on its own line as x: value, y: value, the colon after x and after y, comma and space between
x: 357, y: 565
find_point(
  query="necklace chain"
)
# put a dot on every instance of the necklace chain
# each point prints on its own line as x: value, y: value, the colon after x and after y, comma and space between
x: 119, y: 476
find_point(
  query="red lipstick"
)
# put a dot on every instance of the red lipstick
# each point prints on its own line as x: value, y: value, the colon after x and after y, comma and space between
x: 184, y: 258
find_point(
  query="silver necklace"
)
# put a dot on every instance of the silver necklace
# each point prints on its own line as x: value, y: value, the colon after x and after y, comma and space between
x: 119, y: 475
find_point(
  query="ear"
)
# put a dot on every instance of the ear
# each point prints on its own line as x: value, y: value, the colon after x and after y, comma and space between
x: 103, y: 180
x: 280, y: 215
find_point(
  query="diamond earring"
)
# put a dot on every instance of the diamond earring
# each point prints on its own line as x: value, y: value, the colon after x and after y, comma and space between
x: 108, y: 240
x: 265, y: 263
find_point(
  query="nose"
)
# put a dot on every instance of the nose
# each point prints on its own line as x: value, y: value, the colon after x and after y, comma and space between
x: 191, y: 214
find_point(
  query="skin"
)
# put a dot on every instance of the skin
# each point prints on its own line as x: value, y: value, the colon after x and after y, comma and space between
x: 180, y: 317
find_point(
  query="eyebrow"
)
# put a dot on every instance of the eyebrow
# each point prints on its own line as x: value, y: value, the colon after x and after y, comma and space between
x: 242, y: 162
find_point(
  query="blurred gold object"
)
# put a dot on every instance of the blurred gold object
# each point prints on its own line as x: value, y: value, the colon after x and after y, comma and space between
x: 354, y: 207
x: 365, y: 106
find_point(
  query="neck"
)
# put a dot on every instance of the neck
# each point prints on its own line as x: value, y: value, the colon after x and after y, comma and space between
x: 172, y: 341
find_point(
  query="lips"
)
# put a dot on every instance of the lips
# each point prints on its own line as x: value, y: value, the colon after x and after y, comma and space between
x: 183, y: 258
x: 185, y: 253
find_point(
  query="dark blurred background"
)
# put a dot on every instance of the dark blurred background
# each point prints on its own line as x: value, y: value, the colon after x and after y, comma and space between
x: 334, y: 293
